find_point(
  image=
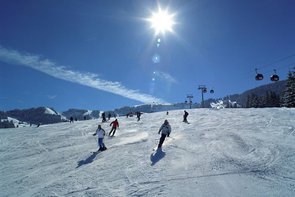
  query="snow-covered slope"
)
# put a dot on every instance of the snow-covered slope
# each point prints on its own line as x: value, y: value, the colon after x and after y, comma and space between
x: 50, y: 111
x: 228, y: 152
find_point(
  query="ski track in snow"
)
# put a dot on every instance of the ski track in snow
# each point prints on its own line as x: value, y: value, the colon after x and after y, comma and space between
x: 228, y: 152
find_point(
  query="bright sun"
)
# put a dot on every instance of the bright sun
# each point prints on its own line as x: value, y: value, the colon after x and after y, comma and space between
x: 162, y: 21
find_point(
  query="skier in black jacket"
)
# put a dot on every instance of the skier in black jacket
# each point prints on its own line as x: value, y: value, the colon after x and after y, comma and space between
x: 185, y: 116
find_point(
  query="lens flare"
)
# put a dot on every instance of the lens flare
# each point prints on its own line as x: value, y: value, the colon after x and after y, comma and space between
x: 156, y: 59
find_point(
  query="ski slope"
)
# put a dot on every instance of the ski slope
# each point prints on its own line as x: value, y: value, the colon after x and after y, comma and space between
x: 228, y: 152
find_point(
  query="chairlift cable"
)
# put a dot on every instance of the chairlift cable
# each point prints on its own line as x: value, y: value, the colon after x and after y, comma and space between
x: 278, y: 60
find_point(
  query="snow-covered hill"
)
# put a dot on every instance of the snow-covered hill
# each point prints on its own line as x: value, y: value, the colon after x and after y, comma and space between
x: 228, y: 152
x: 9, y: 122
x: 39, y: 115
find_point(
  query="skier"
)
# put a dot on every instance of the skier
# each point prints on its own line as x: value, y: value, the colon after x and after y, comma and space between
x: 185, y: 116
x: 109, y: 116
x: 103, y: 115
x: 138, y: 114
x: 165, y: 129
x: 115, y: 124
x: 100, y: 132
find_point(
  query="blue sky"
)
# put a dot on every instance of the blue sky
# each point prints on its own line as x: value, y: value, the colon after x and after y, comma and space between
x: 104, y: 55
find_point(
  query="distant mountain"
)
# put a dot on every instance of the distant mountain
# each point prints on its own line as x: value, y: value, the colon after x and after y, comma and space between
x: 81, y: 114
x: 40, y: 115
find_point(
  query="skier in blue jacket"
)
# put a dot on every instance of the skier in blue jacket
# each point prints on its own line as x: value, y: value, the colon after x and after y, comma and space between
x: 100, y: 132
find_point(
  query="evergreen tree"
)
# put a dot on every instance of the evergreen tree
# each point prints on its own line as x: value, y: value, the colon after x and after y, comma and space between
x: 271, y: 99
x: 274, y: 99
x: 248, y: 102
x: 267, y: 100
x: 254, y: 101
x: 288, y: 99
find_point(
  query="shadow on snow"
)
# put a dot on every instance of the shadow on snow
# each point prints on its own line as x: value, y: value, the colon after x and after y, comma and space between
x: 157, y: 156
x: 87, y: 160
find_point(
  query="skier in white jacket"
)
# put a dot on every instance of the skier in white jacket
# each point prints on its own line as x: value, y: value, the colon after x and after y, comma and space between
x: 100, y: 132
x: 166, y: 130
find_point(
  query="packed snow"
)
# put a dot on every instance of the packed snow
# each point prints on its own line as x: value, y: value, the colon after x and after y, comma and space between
x: 226, y: 152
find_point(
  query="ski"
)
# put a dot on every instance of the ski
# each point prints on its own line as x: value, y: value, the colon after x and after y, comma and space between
x: 95, y: 152
x: 98, y: 151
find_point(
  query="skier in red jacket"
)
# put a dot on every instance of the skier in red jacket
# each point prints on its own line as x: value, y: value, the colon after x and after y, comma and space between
x: 115, y: 124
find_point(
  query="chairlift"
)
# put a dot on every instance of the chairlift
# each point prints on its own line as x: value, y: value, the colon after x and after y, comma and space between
x: 274, y: 77
x: 211, y: 91
x: 258, y: 76
x: 204, y: 90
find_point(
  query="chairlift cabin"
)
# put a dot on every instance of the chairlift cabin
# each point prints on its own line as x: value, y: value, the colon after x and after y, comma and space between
x: 205, y: 90
x: 274, y: 77
x: 212, y: 91
x: 258, y: 76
